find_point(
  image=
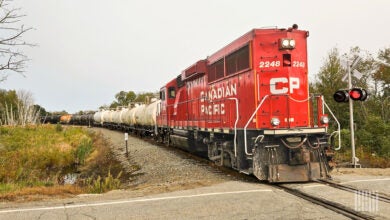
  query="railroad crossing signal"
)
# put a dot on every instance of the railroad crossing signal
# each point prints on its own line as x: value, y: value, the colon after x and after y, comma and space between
x: 356, y: 94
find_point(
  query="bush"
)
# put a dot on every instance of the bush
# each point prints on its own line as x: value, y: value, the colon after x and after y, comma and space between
x: 83, y: 150
x: 59, y: 127
x: 36, y: 155
x: 100, y: 185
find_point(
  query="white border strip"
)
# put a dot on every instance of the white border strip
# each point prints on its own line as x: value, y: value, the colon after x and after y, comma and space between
x: 366, y: 180
x: 131, y: 201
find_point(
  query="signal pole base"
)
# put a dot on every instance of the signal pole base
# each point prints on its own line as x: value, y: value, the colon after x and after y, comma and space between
x: 357, y: 165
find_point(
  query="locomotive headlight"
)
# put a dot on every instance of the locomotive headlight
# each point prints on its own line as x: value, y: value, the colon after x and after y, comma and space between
x: 292, y: 43
x: 324, y: 120
x: 286, y: 43
x: 275, y: 121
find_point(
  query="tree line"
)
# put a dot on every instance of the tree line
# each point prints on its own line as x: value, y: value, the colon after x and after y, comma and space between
x: 18, y: 108
x: 371, y: 117
x: 124, y: 99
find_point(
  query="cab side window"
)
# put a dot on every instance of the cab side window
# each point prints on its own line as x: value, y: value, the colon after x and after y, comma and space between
x: 162, y: 94
x: 171, y: 92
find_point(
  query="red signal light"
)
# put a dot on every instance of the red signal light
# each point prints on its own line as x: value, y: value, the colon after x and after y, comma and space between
x: 358, y: 94
x: 355, y: 95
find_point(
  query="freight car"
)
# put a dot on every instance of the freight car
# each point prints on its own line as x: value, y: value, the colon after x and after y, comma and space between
x: 247, y: 106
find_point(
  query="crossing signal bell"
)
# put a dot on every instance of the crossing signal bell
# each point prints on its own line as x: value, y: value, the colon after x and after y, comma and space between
x: 356, y: 94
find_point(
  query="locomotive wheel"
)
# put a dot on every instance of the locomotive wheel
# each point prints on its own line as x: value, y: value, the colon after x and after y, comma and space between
x: 168, y: 140
x: 227, y: 160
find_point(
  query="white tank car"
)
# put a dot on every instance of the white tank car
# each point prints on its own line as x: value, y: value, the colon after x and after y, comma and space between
x: 97, y: 117
x: 122, y: 115
x: 151, y: 113
x: 145, y: 115
x: 125, y: 117
x: 139, y: 115
x: 129, y: 116
x: 107, y: 116
x: 117, y: 116
x: 100, y: 116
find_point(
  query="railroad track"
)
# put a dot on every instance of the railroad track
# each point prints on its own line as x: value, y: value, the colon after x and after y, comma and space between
x: 379, y: 196
x: 336, y: 207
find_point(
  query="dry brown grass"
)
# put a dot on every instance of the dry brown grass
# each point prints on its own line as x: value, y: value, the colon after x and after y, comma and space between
x: 41, y: 192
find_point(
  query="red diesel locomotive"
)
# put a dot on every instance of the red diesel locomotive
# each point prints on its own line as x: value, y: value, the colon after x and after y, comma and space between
x: 248, y: 107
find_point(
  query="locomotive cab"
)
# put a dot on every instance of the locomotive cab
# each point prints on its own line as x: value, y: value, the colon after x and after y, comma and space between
x: 290, y: 140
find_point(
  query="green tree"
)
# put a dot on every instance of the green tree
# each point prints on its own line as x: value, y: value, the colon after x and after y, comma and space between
x: 328, y: 80
x: 42, y: 110
x: 130, y: 96
x: 381, y: 81
x: 17, y: 108
x: 141, y: 97
x: 371, y: 116
x: 8, y: 102
x: 382, y: 75
x: 123, y: 99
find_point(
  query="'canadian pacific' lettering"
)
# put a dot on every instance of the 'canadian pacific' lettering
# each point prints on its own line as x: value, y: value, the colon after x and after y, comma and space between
x: 215, y: 96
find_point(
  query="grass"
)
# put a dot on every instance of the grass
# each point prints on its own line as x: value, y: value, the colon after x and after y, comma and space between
x: 34, y: 160
x: 366, y: 158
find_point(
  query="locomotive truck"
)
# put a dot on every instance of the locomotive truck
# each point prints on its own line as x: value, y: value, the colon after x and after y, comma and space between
x: 247, y: 106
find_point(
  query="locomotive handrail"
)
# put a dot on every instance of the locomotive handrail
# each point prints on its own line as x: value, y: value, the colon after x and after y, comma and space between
x: 247, y: 124
x: 235, y: 126
x: 338, y: 124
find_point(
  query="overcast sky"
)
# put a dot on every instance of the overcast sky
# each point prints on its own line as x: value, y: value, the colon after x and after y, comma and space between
x: 91, y: 49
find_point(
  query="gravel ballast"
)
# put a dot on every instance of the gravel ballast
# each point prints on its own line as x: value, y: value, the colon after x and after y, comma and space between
x: 160, y: 169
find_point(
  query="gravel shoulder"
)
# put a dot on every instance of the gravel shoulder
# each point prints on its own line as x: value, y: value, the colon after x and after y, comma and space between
x: 160, y: 169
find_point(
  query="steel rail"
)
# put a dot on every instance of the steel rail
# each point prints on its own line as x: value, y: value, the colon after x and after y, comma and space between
x: 336, y: 207
x: 379, y: 196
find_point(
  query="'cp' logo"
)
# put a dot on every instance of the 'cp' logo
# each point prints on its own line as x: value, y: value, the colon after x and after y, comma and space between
x: 278, y: 85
